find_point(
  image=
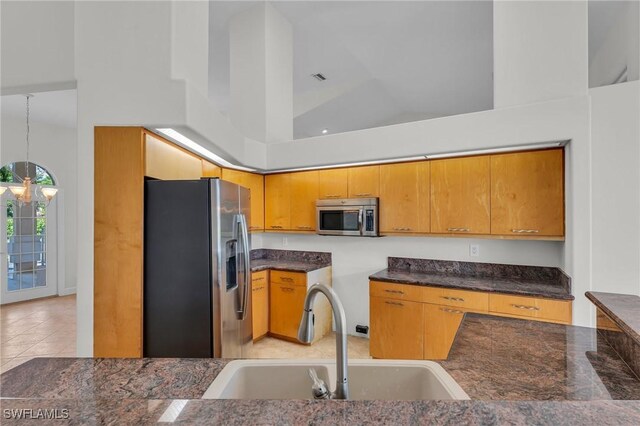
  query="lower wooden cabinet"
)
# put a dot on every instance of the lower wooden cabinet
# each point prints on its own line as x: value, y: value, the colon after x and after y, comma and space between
x: 421, y: 322
x: 396, y: 329
x: 260, y: 304
x: 287, y: 301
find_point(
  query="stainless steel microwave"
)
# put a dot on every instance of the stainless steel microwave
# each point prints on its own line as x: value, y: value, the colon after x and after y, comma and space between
x: 357, y: 217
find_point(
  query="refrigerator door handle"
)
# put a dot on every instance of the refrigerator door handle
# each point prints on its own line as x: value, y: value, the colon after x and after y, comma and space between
x: 242, y: 222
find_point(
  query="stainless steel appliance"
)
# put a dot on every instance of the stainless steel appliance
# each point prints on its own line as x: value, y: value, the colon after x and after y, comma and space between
x: 347, y: 216
x: 196, y: 269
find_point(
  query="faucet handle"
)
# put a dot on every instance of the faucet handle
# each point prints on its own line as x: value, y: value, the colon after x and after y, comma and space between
x: 319, y: 388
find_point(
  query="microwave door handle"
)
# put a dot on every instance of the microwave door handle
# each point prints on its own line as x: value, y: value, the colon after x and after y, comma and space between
x: 360, y: 227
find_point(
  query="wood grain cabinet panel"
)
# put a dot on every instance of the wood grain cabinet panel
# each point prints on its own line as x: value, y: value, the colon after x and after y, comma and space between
x: 460, y: 195
x: 304, y: 194
x: 527, y: 193
x: 118, y: 242
x: 286, y: 305
x: 531, y: 307
x: 412, y: 293
x: 210, y: 170
x: 404, y: 197
x: 277, y: 188
x: 364, y: 181
x: 260, y: 303
x: 333, y: 183
x: 255, y: 183
x: 474, y: 300
x: 397, y: 328
x: 441, y: 324
x: 167, y: 161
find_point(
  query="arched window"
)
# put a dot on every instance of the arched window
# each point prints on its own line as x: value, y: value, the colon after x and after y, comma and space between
x: 26, y: 238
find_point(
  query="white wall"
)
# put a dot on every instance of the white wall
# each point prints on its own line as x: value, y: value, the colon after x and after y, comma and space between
x: 540, y: 51
x: 619, y: 49
x: 54, y: 148
x: 36, y: 45
x: 354, y: 259
x: 615, y: 138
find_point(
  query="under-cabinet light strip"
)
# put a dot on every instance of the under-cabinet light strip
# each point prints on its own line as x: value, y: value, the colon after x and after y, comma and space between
x: 192, y: 146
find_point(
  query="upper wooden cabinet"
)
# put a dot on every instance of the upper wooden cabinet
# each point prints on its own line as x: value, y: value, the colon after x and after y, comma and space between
x: 364, y: 181
x: 460, y: 195
x: 167, y: 161
x: 303, y: 196
x: 255, y: 183
x: 404, y: 197
x: 527, y: 194
x: 210, y: 170
x: 333, y: 183
x: 277, y: 201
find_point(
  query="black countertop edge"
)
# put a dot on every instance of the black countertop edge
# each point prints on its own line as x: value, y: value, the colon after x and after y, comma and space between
x: 623, y: 309
x: 473, y: 283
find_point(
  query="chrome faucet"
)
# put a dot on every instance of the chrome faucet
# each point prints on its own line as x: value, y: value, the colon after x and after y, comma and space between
x: 305, y: 334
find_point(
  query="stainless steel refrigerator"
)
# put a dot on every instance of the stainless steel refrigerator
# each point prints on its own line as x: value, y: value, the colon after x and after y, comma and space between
x: 196, y: 269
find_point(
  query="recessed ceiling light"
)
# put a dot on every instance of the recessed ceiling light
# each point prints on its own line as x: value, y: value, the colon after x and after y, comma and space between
x: 319, y: 77
x: 325, y: 131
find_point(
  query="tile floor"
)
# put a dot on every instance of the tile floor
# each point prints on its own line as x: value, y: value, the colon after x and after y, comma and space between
x: 47, y: 327
x: 357, y: 347
x: 37, y: 328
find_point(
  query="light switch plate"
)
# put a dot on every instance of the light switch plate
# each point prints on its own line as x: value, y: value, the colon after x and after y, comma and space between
x: 474, y: 250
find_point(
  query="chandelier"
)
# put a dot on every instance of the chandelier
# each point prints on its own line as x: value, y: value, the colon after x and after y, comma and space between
x: 30, y: 191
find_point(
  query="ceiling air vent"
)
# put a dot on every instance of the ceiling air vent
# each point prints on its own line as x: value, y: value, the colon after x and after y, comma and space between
x: 319, y: 77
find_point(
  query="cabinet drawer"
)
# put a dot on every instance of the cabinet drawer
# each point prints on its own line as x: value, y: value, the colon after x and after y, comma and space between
x: 475, y: 300
x: 293, y: 278
x: 396, y: 291
x: 259, y: 277
x: 531, y: 307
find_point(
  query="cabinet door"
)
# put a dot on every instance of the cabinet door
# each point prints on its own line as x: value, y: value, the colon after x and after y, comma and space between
x: 404, y: 197
x: 304, y: 194
x: 332, y: 183
x: 397, y: 329
x: 260, y: 304
x: 460, y: 195
x: 364, y: 181
x: 277, y: 190
x: 440, y: 327
x: 255, y: 183
x: 166, y: 161
x: 527, y: 193
x: 287, y: 302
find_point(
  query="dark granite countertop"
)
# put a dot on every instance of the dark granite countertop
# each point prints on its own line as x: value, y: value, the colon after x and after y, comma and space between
x: 496, y: 358
x: 288, y: 260
x: 298, y: 412
x: 623, y: 309
x: 509, y: 279
x: 502, y: 363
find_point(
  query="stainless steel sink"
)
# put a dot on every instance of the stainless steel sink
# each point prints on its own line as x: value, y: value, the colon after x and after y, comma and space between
x: 368, y: 380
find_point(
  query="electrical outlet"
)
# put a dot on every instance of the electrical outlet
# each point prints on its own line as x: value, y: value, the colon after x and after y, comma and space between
x: 285, y: 241
x: 474, y: 250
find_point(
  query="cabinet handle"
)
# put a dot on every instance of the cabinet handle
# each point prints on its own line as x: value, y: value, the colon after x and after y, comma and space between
x: 525, y: 231
x: 402, y: 229
x: 528, y: 308
x: 368, y: 194
x: 395, y: 291
x: 393, y: 303
x: 287, y: 279
x: 258, y: 279
x: 332, y: 196
x: 254, y: 227
x: 276, y: 226
x: 455, y: 299
x: 303, y: 227
x: 288, y: 289
x: 451, y: 311
x: 458, y: 229
x: 258, y: 288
